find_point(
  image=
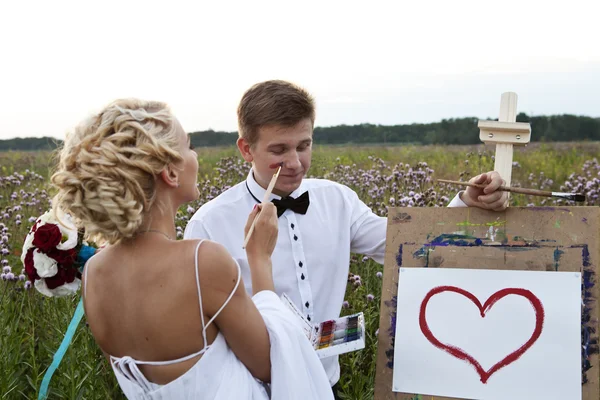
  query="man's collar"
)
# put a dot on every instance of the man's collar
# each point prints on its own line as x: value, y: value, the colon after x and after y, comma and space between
x: 259, y: 192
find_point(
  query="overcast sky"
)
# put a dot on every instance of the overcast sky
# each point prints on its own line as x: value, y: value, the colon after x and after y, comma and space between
x: 374, y: 62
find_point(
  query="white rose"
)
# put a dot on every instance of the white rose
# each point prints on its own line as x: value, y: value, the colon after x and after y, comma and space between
x: 41, y: 287
x: 45, y: 266
x: 67, y: 228
x: 63, y: 290
x: 46, y: 217
x: 26, y: 246
x: 67, y: 288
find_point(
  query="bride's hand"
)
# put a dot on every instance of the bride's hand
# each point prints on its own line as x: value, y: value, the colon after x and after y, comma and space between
x: 264, y: 237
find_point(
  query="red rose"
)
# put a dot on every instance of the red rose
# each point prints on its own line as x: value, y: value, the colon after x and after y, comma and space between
x: 64, y: 258
x: 64, y: 275
x: 29, y: 268
x: 70, y: 274
x: 47, y: 237
x: 55, y: 281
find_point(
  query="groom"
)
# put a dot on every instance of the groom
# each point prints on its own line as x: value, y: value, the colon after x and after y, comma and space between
x: 320, y: 222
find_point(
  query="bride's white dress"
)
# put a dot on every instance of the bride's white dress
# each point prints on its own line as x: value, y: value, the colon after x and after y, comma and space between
x: 296, y: 372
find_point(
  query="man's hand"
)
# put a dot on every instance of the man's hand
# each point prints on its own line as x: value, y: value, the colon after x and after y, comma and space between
x: 488, y: 198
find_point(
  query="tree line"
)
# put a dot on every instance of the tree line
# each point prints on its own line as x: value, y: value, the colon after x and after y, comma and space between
x: 553, y: 128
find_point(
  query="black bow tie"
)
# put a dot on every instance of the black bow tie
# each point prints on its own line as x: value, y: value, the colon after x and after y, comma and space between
x: 298, y: 205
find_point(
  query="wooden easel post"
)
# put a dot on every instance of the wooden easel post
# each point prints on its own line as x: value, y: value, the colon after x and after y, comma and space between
x: 505, y: 133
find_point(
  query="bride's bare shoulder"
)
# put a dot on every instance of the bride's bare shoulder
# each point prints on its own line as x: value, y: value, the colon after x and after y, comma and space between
x: 216, y: 267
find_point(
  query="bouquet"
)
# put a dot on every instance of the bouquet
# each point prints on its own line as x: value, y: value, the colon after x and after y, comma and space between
x: 54, y: 255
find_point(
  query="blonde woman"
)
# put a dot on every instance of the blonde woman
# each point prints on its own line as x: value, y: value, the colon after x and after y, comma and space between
x: 172, y: 317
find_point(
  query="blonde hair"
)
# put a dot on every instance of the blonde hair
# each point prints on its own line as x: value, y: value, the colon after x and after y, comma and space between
x: 106, y: 174
x: 274, y: 102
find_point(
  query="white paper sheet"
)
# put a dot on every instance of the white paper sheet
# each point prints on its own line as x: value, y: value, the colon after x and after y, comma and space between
x: 549, y: 369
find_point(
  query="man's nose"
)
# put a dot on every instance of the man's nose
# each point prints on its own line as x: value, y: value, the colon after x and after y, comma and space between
x: 292, y: 161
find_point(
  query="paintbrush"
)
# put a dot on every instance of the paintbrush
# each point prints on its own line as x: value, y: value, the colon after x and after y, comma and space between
x: 533, y: 192
x: 265, y: 198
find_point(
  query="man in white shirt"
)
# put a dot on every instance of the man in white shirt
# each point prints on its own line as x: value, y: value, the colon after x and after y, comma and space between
x: 321, y: 222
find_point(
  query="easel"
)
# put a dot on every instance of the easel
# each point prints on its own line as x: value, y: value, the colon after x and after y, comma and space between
x: 577, y: 238
x: 505, y: 133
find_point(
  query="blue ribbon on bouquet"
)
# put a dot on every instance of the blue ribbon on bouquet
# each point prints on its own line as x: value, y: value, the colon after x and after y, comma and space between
x: 84, y: 254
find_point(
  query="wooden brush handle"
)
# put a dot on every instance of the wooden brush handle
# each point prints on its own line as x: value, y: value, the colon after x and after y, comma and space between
x: 265, y: 199
x: 533, y: 192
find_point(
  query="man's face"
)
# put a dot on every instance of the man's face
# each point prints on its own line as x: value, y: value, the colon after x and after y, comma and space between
x: 291, y: 145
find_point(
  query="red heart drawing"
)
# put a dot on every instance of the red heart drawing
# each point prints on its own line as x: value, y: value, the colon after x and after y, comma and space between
x: 462, y: 355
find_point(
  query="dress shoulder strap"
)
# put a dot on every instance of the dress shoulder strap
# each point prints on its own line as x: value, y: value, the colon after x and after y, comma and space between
x: 237, y: 283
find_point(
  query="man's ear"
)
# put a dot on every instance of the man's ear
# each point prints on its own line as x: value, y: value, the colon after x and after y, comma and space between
x: 244, y: 148
x: 170, y: 177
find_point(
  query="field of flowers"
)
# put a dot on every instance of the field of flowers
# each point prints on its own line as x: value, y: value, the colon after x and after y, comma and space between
x: 32, y: 326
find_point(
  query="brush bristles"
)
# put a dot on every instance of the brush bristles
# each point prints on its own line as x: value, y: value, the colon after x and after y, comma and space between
x: 570, y: 196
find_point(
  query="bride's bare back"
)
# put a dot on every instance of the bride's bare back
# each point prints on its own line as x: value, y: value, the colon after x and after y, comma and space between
x: 141, y: 301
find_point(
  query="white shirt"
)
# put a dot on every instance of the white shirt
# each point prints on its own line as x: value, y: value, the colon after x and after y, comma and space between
x: 312, y: 256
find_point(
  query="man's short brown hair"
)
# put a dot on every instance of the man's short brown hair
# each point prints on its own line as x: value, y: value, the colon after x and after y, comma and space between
x: 273, y: 102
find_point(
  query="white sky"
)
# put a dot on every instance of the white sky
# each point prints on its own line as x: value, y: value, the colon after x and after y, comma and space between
x: 365, y: 61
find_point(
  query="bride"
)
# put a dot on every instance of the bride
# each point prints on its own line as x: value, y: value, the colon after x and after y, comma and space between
x: 172, y: 316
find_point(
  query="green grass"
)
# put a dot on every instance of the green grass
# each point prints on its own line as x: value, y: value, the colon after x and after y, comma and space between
x: 32, y: 326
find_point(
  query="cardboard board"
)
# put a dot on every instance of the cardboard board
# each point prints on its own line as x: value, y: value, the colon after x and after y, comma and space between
x: 528, y: 239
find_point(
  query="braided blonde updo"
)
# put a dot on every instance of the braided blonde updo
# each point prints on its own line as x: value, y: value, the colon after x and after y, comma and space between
x: 107, y: 169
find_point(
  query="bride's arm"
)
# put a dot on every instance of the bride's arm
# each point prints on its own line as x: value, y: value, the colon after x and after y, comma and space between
x: 240, y: 322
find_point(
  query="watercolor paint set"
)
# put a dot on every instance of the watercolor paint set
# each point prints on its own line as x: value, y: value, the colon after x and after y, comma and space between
x: 333, y: 337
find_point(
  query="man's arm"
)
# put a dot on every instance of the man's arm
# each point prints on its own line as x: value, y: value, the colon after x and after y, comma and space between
x: 457, y: 201
x: 368, y: 231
